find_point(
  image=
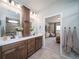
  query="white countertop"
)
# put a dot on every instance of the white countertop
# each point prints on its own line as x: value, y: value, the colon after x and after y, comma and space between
x: 2, y: 42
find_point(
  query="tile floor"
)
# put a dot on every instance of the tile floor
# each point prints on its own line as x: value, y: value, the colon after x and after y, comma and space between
x: 72, y: 55
x: 51, y: 51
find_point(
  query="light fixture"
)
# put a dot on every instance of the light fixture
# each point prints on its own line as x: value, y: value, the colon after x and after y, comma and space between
x: 5, y: 0
x: 59, y: 18
x: 12, y: 3
x: 18, y: 6
x: 31, y: 12
x: 12, y: 21
x: 58, y: 27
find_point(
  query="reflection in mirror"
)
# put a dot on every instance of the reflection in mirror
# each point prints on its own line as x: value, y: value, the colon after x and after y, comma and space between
x: 9, y: 21
x: 11, y: 25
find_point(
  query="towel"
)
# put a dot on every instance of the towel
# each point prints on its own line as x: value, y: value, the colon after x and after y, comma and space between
x: 69, y: 41
x: 75, y: 41
x: 65, y: 39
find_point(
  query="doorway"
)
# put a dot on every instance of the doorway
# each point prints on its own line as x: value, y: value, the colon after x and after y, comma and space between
x: 53, y: 33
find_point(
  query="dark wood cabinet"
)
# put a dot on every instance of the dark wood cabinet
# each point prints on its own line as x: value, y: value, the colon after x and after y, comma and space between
x: 31, y: 47
x: 26, y: 30
x: 38, y: 42
x: 16, y: 50
x: 21, y: 52
x: 22, y: 49
x: 0, y: 56
x: 9, y: 54
x: 25, y: 13
x: 26, y: 21
x: 0, y: 52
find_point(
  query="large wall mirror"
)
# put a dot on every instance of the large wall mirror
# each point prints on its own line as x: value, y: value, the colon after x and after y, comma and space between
x: 9, y: 21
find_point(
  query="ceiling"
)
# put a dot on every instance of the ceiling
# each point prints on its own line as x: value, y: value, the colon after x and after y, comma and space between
x: 36, y: 5
x: 41, y: 6
x: 53, y: 19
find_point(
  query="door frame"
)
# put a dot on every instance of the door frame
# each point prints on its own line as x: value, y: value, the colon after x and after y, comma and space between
x: 61, y: 18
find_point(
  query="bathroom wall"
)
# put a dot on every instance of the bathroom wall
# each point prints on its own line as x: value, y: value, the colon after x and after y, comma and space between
x: 37, y: 23
x: 69, y: 9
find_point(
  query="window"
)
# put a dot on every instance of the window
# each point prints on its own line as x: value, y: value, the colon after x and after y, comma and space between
x: 58, y: 27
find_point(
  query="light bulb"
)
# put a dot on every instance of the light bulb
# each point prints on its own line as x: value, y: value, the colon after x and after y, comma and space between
x: 5, y: 0
x: 19, y: 6
x: 12, y: 21
x: 12, y: 3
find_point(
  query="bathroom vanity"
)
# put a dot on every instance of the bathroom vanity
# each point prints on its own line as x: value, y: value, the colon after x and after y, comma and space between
x: 21, y: 48
x: 12, y: 22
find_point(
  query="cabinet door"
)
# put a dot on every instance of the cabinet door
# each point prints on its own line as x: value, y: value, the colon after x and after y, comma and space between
x: 0, y: 56
x: 22, y: 52
x: 0, y: 53
x: 38, y: 42
x: 25, y: 13
x: 26, y: 21
x: 31, y: 47
x: 26, y: 28
x: 9, y: 54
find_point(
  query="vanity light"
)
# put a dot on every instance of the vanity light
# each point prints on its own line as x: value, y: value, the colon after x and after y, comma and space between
x: 31, y: 12
x: 12, y: 3
x: 5, y: 0
x: 12, y: 21
x: 19, y: 6
x: 59, y: 18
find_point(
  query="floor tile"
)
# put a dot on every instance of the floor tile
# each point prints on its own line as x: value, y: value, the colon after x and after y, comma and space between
x: 51, y: 50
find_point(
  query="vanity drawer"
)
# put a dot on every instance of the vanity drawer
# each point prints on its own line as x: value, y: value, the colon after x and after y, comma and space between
x: 12, y: 45
x: 31, y: 46
x: 0, y: 53
x: 31, y: 40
